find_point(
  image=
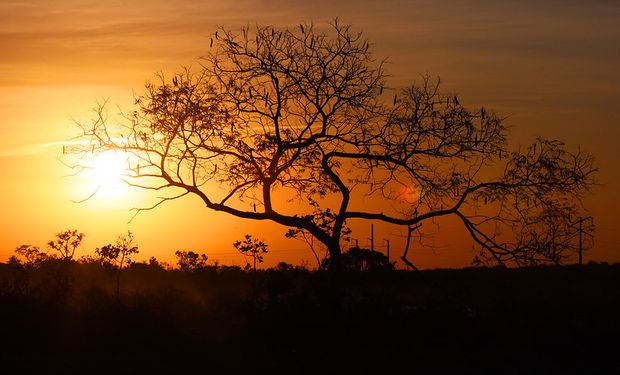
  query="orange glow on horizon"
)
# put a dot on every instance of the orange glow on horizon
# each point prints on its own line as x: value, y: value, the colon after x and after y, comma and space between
x: 529, y: 64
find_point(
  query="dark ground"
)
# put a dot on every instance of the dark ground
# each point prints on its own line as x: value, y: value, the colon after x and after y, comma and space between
x: 64, y: 318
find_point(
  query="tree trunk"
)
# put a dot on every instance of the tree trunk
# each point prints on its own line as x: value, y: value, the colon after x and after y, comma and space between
x: 335, y: 292
x: 335, y: 258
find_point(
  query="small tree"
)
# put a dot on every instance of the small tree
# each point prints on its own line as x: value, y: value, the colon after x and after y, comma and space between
x: 251, y: 247
x: 190, y: 261
x: 66, y: 243
x: 153, y: 262
x: 357, y: 259
x: 32, y: 255
x: 254, y: 248
x: 118, y: 255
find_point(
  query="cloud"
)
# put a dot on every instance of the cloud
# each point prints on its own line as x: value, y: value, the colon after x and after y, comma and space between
x: 36, y: 148
x: 480, y: 42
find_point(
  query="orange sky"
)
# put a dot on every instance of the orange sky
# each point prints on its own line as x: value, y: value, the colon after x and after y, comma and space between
x: 550, y: 66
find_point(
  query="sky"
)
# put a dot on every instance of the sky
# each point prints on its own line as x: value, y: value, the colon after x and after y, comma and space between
x: 550, y: 67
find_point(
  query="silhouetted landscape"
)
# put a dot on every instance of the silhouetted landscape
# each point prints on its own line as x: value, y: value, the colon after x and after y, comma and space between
x: 65, y: 317
x: 431, y: 177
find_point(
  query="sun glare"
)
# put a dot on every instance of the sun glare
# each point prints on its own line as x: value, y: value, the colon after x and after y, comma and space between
x: 105, y: 175
x: 410, y: 194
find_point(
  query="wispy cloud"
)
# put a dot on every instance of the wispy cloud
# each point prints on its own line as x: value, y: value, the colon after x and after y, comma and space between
x: 35, y: 149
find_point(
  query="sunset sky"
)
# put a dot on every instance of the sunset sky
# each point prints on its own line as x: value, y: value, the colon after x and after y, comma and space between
x: 551, y: 67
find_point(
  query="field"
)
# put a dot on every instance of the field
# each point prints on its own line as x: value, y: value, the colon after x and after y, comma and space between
x: 65, y: 317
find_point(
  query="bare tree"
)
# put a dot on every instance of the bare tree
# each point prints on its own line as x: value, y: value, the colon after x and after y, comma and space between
x: 303, y: 113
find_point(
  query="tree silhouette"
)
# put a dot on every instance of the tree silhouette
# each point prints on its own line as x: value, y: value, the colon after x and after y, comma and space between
x: 357, y: 259
x: 66, y: 243
x: 280, y: 113
x: 32, y: 255
x: 190, y: 261
x: 118, y: 255
x: 253, y: 248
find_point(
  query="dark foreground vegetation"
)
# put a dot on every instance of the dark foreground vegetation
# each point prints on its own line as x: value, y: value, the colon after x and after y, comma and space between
x: 65, y: 317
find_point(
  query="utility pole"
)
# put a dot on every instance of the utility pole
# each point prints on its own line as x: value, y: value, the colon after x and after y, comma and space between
x: 579, y: 226
x: 372, y: 238
x: 388, y: 249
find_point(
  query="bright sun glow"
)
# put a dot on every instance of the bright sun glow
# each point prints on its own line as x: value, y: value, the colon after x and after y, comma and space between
x: 106, y: 175
x: 410, y: 194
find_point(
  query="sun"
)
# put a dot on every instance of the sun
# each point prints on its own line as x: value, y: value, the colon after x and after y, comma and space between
x: 410, y: 194
x: 105, y: 174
